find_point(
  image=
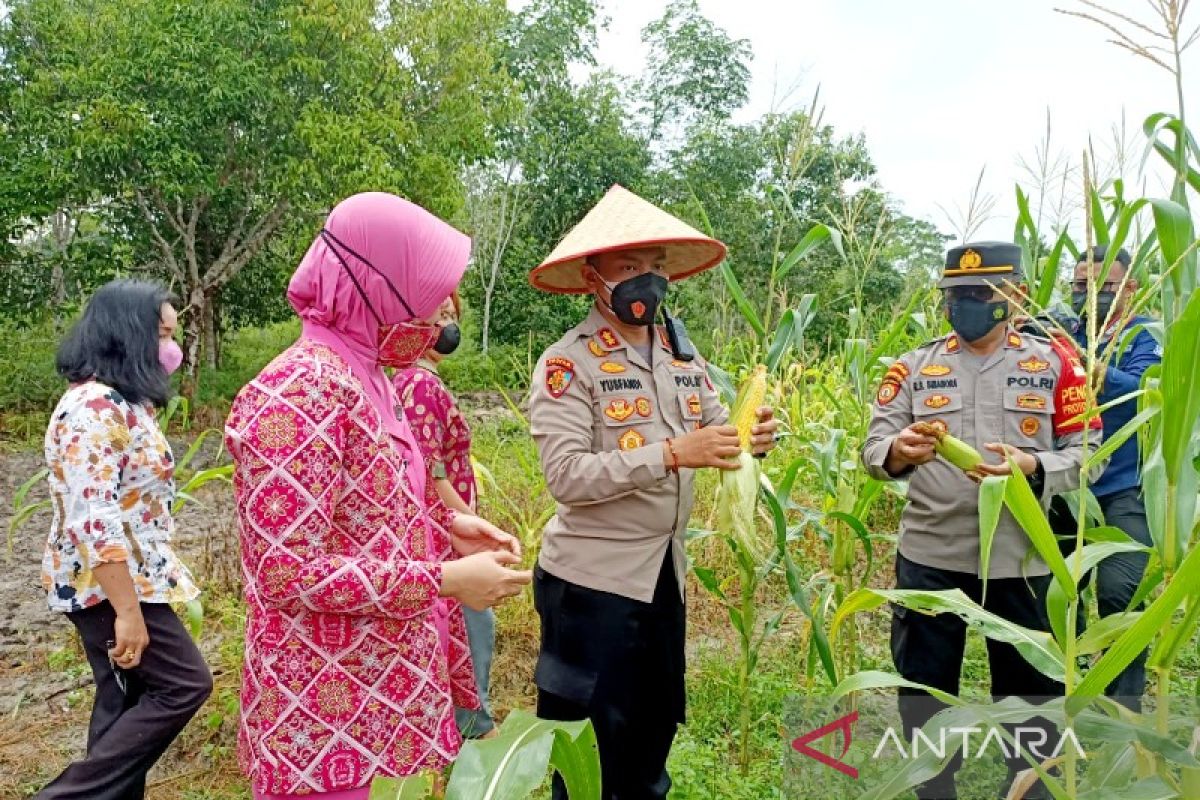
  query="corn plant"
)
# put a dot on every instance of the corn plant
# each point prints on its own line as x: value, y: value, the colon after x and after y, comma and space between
x: 511, y: 765
x: 1139, y: 756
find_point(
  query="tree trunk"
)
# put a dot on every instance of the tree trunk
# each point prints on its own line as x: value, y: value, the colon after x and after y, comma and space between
x: 487, y: 318
x: 211, y: 353
x: 193, y: 331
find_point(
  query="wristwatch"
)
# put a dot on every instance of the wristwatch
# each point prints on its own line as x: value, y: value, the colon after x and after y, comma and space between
x: 1037, y: 481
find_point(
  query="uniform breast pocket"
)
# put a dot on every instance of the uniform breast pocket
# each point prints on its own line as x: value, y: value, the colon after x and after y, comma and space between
x: 942, y: 408
x: 690, y: 408
x: 1028, y: 419
x: 625, y: 422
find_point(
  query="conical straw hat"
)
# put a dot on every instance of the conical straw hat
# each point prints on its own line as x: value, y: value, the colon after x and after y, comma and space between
x: 624, y: 221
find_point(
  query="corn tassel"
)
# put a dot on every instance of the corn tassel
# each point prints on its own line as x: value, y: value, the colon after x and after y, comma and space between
x: 738, y: 500
x: 954, y: 450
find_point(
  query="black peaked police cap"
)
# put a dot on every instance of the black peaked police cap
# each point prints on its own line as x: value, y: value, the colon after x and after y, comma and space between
x: 982, y: 263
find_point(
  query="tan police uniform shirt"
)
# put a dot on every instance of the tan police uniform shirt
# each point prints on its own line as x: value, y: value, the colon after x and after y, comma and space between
x: 1024, y: 394
x: 599, y: 413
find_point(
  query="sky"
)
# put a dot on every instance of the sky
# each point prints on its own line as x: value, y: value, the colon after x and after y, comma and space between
x: 940, y: 88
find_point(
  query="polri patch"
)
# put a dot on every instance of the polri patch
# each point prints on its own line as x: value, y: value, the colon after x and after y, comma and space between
x: 887, y: 392
x: 559, y: 374
x: 1030, y: 426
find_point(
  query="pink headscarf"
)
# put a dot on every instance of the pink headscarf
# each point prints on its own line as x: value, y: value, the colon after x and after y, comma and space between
x: 422, y: 256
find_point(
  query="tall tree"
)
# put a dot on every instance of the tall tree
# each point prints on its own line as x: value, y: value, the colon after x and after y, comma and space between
x: 204, y: 126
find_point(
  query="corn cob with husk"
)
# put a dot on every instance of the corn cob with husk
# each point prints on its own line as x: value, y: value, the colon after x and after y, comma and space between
x: 739, y: 487
x: 954, y: 450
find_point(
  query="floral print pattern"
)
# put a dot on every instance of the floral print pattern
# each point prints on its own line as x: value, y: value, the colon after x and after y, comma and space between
x: 344, y: 677
x: 111, y: 479
x: 439, y: 426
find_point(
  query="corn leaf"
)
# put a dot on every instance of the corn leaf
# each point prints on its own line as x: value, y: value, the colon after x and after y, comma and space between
x: 816, y: 235
x: 1028, y: 513
x: 414, y: 787
x: 515, y: 762
x: 740, y: 300
x: 1103, y: 632
x: 783, y: 341
x: 991, y: 502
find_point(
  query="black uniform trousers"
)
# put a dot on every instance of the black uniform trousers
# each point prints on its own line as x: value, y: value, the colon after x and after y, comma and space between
x: 929, y: 650
x: 1117, y: 577
x: 620, y: 663
x: 137, y: 713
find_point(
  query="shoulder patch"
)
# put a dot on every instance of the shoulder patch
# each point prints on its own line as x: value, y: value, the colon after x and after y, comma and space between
x: 559, y: 374
x: 887, y: 393
x: 608, y: 338
x: 952, y: 344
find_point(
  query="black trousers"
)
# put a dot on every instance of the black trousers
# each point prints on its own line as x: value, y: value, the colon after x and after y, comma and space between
x: 620, y: 663
x: 1117, y: 577
x: 137, y: 712
x: 929, y: 650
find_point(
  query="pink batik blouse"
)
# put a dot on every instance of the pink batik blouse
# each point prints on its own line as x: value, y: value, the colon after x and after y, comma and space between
x: 345, y: 677
x: 439, y: 427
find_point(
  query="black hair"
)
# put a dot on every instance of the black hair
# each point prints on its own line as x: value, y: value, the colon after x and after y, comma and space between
x: 1100, y: 252
x: 115, y: 342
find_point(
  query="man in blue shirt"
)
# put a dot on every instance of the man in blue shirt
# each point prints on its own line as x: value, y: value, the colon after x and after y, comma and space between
x: 1119, y: 489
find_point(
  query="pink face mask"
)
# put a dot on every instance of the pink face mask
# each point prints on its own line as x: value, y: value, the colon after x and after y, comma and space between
x: 170, y: 355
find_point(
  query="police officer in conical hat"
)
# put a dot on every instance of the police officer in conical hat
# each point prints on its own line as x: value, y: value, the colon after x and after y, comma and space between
x: 1006, y: 393
x: 623, y: 413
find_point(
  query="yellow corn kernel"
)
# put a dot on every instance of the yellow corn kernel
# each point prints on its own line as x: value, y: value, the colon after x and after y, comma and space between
x: 750, y: 396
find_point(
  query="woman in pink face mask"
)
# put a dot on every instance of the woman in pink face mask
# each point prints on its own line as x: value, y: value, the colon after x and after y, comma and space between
x: 351, y: 560
x: 108, y: 563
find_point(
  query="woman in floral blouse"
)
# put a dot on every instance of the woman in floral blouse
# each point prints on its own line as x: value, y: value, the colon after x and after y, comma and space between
x: 346, y: 548
x: 445, y: 437
x: 108, y: 563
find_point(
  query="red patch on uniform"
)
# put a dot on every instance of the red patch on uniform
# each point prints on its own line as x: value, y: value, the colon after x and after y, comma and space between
x: 1014, y: 340
x: 559, y: 374
x: 952, y: 344
x: 643, y: 407
x: 638, y: 308
x: 887, y: 393
x: 1030, y: 426
x: 1071, y: 393
x: 608, y: 338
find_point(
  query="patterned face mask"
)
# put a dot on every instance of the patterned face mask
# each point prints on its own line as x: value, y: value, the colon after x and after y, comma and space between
x: 400, y: 344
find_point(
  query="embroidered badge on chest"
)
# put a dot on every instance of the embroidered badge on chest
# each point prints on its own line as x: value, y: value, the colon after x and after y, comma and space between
x: 693, y: 404
x: 619, y: 410
x: 612, y: 367
x: 935, y: 370
x: 1034, y: 402
x: 559, y: 374
x: 595, y: 349
x: 631, y: 440
x: 1030, y: 426
x: 937, y: 401
x: 1033, y: 364
x: 643, y: 407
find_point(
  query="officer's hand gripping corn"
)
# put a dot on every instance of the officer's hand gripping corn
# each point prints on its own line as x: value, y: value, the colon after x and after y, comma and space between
x: 954, y: 450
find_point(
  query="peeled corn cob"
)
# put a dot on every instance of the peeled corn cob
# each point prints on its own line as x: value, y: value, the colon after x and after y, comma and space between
x: 954, y: 450
x: 738, y: 498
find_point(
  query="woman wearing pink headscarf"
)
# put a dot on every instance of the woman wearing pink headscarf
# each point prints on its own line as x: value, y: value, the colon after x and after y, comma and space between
x: 355, y: 645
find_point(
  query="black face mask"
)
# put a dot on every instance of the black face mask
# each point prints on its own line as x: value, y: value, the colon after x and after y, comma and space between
x: 973, y: 319
x: 1104, y: 304
x: 448, y: 340
x: 636, y: 301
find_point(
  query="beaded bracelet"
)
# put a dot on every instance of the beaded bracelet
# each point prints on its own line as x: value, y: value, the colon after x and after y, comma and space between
x: 674, y: 455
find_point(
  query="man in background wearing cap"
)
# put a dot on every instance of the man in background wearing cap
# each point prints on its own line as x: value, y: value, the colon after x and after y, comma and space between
x: 1006, y: 394
x: 1118, y: 491
x: 622, y: 413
